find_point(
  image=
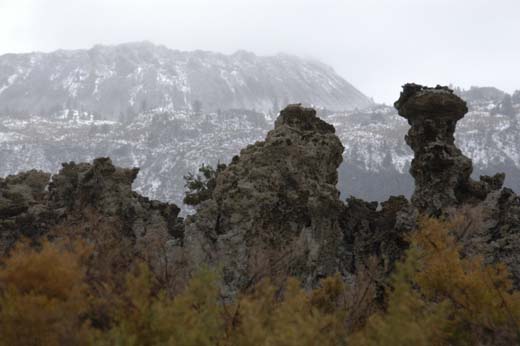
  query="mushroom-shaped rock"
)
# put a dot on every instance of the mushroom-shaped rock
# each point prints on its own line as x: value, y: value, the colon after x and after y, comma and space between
x: 441, y: 171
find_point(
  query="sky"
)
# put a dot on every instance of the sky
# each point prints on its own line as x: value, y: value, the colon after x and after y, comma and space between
x: 377, y: 45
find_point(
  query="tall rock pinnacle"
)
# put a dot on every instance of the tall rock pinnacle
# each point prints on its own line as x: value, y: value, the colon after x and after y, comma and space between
x: 441, y: 171
x: 275, y: 209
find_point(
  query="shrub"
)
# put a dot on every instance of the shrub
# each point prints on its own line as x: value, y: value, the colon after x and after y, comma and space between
x: 436, y: 296
x: 144, y: 317
x: 442, y: 298
x: 43, y: 297
x: 297, y: 318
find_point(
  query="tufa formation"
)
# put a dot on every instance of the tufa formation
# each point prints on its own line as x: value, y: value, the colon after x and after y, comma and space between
x: 442, y: 177
x: 93, y: 202
x: 274, y: 211
x: 441, y: 172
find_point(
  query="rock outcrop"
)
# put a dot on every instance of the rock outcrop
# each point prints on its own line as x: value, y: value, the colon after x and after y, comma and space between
x: 85, y: 200
x: 442, y: 177
x: 275, y: 209
x: 378, y: 230
x: 498, y: 239
x: 23, y: 207
x: 107, y: 189
x: 441, y: 171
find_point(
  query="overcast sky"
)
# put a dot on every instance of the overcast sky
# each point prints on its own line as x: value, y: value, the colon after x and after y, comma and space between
x: 377, y: 45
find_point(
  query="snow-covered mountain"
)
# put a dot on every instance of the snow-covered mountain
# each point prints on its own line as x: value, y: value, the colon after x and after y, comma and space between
x: 168, y: 145
x: 168, y: 112
x: 117, y: 82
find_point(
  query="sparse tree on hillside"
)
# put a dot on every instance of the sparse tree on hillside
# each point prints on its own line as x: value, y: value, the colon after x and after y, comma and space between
x: 200, y: 186
x: 196, y: 106
x: 506, y: 107
x: 516, y: 97
x: 144, y: 106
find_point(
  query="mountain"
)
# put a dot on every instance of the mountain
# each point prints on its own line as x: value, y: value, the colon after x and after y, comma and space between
x: 135, y: 103
x: 117, y: 82
x: 168, y: 145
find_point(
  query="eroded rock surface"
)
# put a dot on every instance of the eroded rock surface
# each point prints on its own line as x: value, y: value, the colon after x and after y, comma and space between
x: 275, y: 208
x: 441, y: 171
x: 442, y: 177
x: 23, y: 207
x: 377, y: 232
x: 274, y: 211
x: 90, y: 200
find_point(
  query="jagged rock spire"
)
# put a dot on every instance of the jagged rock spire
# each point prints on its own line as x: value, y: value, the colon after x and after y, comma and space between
x: 275, y: 210
x: 441, y: 171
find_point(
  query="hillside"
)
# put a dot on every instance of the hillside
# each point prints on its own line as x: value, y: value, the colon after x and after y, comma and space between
x: 117, y: 82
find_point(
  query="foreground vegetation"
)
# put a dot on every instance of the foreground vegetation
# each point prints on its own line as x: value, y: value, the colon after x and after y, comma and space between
x: 436, y: 296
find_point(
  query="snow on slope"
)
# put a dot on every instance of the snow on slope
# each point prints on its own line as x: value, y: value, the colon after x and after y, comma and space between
x: 168, y: 145
x: 116, y: 82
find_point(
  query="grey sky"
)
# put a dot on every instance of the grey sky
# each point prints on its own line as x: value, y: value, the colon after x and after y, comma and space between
x: 377, y: 45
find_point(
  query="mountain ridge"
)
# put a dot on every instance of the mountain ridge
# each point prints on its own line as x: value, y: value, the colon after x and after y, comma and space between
x: 114, y: 82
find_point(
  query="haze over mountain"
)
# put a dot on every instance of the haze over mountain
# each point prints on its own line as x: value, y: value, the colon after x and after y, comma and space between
x: 117, y: 82
x: 137, y: 103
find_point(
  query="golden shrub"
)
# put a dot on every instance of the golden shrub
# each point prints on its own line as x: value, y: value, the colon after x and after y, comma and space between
x: 436, y: 296
x: 144, y: 317
x: 294, y: 318
x: 442, y: 298
x: 43, y: 296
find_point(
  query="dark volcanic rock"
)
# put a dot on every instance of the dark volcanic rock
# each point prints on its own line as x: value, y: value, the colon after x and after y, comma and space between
x: 23, y: 207
x: 497, y: 236
x: 378, y: 232
x: 441, y: 171
x: 85, y: 200
x: 107, y: 189
x: 442, y: 177
x: 275, y: 209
